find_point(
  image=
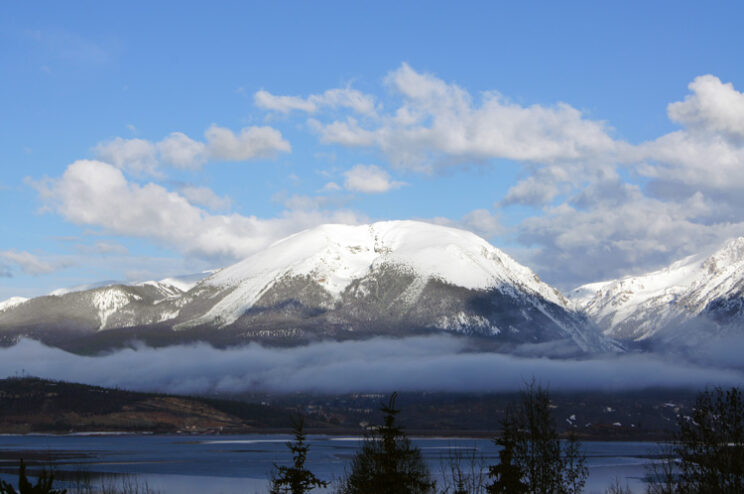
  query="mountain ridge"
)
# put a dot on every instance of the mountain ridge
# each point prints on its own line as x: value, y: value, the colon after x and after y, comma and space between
x: 391, y: 278
x: 700, y: 293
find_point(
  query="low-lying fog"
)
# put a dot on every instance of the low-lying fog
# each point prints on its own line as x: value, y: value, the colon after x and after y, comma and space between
x: 439, y: 363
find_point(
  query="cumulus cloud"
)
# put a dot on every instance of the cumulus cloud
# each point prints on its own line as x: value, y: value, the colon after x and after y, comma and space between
x: 135, y: 155
x: 204, y: 196
x: 331, y: 187
x: 249, y: 143
x: 28, y: 263
x: 441, y: 122
x: 181, y: 151
x: 480, y: 221
x: 626, y: 207
x: 532, y: 191
x: 611, y: 227
x: 411, y: 364
x: 596, y: 223
x: 143, y: 157
x: 593, y: 207
x: 708, y: 153
x: 712, y: 107
x: 369, y: 179
x: 347, y: 133
x: 334, y: 98
x: 98, y: 194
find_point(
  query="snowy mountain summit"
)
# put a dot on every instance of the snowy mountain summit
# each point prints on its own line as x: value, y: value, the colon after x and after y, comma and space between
x: 393, y: 278
x: 689, y: 301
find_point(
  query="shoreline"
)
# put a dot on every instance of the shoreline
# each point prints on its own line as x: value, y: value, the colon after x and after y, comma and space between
x: 348, y: 433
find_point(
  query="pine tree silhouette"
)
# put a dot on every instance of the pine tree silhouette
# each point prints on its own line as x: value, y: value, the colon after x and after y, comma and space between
x: 43, y: 484
x: 296, y: 479
x: 507, y: 474
x: 388, y: 463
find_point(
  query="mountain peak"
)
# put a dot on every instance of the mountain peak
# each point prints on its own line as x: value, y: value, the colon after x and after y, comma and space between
x: 335, y: 255
x: 639, y: 307
x: 393, y: 278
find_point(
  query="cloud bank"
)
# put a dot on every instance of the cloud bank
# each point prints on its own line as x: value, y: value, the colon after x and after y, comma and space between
x: 411, y: 364
x: 586, y: 206
x: 98, y: 194
x: 143, y: 157
x: 599, y: 207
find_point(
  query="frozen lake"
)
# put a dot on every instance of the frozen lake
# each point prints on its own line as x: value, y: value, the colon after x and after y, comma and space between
x: 241, y: 464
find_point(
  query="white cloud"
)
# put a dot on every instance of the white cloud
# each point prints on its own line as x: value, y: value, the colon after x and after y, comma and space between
x: 283, y: 104
x: 103, y: 248
x: 712, y: 106
x: 134, y: 155
x: 250, y: 143
x: 480, y: 221
x: 143, y: 157
x: 204, y: 196
x: 97, y: 194
x: 439, y: 122
x: 708, y: 153
x: 28, y: 262
x: 181, y: 151
x: 532, y: 191
x: 333, y: 98
x: 331, y: 187
x: 605, y: 226
x: 614, y: 230
x: 369, y: 179
x: 345, y: 133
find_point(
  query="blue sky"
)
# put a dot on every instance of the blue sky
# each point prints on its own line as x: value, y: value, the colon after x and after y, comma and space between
x: 140, y: 141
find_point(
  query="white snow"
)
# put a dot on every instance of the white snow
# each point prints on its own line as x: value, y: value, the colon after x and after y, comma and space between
x: 109, y: 301
x: 11, y: 302
x: 462, y: 321
x: 185, y: 282
x: 82, y: 288
x: 335, y: 255
x: 681, y: 290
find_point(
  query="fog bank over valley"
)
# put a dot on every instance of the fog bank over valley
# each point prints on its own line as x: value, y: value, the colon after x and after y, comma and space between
x: 437, y: 363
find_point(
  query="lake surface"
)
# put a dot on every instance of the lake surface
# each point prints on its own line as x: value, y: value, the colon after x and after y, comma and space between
x: 241, y: 464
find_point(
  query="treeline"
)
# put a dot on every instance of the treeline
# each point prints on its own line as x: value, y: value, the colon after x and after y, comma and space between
x: 705, y: 457
x: 43, y: 405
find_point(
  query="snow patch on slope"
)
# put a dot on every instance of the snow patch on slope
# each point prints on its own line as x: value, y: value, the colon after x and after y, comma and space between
x: 462, y: 322
x: 109, y: 301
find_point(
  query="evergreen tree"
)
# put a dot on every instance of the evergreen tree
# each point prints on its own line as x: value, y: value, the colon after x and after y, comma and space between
x: 533, y: 459
x: 296, y: 479
x: 43, y: 484
x: 507, y: 474
x: 388, y: 463
x: 708, y: 447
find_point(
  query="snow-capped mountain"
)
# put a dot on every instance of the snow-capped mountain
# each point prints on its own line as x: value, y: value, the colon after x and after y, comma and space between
x: 11, y: 302
x: 690, y: 300
x: 335, y: 281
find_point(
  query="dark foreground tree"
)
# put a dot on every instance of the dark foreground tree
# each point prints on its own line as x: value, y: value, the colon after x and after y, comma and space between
x: 507, y: 474
x: 43, y: 484
x: 708, y: 446
x: 533, y: 459
x: 296, y: 479
x: 387, y: 463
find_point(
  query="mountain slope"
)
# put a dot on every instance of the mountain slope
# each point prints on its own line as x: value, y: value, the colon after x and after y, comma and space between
x: 689, y: 300
x: 336, y: 281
